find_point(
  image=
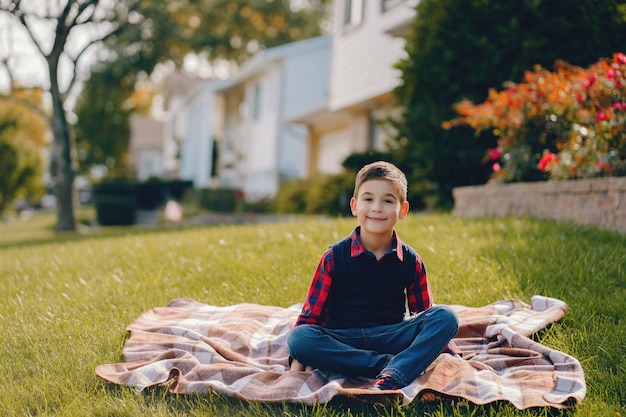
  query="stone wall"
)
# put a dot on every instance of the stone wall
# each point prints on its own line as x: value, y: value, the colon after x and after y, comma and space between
x: 600, y: 201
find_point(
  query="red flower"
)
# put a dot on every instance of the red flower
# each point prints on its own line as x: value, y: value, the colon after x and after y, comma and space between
x: 621, y: 58
x: 610, y: 74
x: 495, y: 154
x: 545, y: 161
x: 496, y: 167
x: 590, y: 81
x: 602, y: 116
x: 604, y: 167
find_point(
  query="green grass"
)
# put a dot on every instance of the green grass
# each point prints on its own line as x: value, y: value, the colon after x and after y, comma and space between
x: 67, y: 300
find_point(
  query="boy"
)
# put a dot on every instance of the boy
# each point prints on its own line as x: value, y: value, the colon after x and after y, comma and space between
x: 353, y: 318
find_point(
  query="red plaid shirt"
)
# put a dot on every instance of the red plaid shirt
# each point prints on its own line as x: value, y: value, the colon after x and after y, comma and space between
x: 317, y: 300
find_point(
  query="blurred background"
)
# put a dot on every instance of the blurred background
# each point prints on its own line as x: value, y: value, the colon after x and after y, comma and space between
x: 272, y: 105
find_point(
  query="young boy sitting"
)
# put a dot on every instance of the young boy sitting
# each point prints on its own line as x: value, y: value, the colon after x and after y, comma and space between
x: 353, y: 321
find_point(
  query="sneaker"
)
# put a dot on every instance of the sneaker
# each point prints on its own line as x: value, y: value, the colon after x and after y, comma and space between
x: 384, y: 383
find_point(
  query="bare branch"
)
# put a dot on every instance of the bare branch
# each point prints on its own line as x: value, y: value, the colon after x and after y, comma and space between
x: 122, y: 25
x: 21, y: 16
x: 81, y: 10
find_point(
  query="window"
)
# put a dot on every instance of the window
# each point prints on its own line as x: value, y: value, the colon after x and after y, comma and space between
x: 354, y: 12
x: 371, y: 132
x: 388, y: 4
x: 256, y: 101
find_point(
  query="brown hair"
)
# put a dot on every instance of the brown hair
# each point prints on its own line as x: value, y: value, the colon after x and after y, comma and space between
x: 384, y: 171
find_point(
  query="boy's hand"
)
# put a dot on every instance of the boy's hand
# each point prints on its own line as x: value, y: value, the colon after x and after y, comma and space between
x: 298, y: 367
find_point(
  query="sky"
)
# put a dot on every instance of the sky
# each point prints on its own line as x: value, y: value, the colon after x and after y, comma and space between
x: 27, y: 64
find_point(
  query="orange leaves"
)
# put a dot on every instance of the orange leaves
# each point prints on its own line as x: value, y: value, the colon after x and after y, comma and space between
x: 571, y: 121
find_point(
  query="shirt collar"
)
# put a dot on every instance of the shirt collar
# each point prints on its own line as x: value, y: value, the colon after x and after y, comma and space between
x: 357, y: 248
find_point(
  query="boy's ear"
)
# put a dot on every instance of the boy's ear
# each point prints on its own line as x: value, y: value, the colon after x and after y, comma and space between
x: 353, y: 206
x: 404, y: 209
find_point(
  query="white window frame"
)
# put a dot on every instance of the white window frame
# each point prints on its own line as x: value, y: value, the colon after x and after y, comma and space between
x: 354, y: 12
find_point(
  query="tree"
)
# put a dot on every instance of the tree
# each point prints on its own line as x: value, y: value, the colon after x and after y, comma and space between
x: 22, y: 139
x: 218, y: 32
x: 62, y: 33
x: 460, y: 49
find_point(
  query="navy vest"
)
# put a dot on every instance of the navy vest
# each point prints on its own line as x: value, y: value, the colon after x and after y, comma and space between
x: 366, y: 292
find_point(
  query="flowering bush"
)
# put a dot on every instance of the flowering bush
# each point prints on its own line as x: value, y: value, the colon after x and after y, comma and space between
x: 569, y: 123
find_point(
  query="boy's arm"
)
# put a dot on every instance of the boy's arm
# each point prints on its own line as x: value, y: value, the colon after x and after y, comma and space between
x: 315, y: 304
x: 419, y: 295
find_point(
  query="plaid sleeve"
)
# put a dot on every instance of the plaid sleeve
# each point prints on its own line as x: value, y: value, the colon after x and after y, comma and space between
x: 316, y: 302
x: 419, y: 296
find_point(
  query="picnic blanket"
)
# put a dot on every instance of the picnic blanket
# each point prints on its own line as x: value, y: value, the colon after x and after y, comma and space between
x: 241, y: 351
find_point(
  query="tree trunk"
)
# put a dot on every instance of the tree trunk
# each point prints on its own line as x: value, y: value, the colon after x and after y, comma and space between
x: 62, y: 169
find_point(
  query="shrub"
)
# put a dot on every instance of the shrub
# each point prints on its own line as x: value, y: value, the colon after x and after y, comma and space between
x: 565, y: 124
x: 177, y: 189
x: 291, y: 197
x: 324, y: 194
x: 225, y: 200
x: 330, y: 194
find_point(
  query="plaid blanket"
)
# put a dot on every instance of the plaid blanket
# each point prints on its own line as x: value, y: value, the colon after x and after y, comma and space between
x: 241, y: 351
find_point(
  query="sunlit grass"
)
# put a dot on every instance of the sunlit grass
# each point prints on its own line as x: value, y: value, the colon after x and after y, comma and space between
x: 67, y: 301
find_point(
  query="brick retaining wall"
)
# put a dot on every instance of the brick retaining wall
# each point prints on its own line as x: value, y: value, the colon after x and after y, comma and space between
x: 599, y: 201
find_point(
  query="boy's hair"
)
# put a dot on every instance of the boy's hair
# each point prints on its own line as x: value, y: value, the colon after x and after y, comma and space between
x: 384, y: 171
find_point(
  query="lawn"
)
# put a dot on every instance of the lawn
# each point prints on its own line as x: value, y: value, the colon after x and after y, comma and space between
x: 67, y: 300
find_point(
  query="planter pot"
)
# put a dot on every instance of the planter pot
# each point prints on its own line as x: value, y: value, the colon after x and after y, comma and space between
x: 116, y: 203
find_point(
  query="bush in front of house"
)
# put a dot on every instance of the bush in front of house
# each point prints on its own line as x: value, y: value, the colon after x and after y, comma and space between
x: 563, y: 124
x: 323, y: 194
x: 222, y: 200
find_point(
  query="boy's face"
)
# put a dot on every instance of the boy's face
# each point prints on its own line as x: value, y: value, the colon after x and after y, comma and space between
x: 378, y: 206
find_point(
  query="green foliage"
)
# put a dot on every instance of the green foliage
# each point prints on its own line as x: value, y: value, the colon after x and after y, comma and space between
x: 21, y: 165
x: 357, y: 160
x: 323, y: 194
x: 223, y: 200
x: 566, y: 124
x: 291, y: 197
x: 330, y: 194
x: 63, y: 315
x: 103, y: 125
x: 459, y: 49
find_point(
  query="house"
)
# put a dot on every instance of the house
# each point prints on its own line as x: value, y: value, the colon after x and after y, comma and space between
x: 367, y: 42
x: 239, y: 132
x: 299, y: 109
x: 154, y: 140
x: 146, y: 147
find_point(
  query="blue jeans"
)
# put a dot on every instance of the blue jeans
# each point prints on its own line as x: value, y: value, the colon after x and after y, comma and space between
x: 403, y: 349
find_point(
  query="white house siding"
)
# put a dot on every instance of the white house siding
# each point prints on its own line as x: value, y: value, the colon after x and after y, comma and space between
x: 197, y: 144
x: 262, y: 134
x: 177, y: 88
x: 332, y: 151
x: 260, y: 146
x: 231, y: 146
x: 146, y: 142
x: 363, y: 57
x: 362, y: 78
x: 305, y: 87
